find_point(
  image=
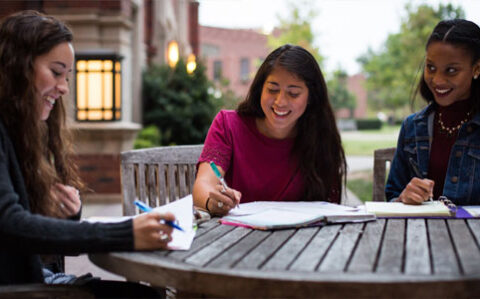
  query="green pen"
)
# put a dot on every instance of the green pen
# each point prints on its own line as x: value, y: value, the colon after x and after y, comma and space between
x: 219, y: 176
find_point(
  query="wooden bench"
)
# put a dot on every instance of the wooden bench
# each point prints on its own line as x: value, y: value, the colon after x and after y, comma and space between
x: 158, y: 175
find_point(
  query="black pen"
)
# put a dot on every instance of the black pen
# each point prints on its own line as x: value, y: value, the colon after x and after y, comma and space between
x: 417, y: 172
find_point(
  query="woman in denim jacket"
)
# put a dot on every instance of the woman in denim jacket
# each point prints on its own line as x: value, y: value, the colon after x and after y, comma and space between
x: 443, y: 140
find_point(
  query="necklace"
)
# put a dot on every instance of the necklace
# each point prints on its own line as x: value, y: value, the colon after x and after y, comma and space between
x: 453, y: 129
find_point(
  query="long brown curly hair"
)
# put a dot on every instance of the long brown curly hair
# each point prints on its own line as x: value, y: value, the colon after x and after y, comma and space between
x: 43, y: 148
x: 317, y: 145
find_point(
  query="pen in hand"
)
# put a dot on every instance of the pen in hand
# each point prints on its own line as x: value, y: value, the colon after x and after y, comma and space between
x: 417, y: 172
x: 219, y: 176
x: 142, y: 206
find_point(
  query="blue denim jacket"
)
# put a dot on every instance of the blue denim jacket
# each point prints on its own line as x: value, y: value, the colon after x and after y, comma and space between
x: 462, y: 181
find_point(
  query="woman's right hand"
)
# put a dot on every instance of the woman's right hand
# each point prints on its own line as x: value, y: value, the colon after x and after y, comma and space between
x: 150, y: 232
x: 220, y: 201
x: 417, y: 191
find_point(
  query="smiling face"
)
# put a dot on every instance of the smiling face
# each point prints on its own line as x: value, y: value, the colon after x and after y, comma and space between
x: 51, y: 76
x: 284, y: 99
x: 448, y: 72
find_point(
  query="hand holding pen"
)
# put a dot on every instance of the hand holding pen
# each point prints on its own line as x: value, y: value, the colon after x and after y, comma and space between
x: 228, y: 199
x: 151, y: 231
x: 418, y: 189
x: 145, y: 208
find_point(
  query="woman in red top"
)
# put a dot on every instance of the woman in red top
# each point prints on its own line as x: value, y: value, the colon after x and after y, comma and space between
x: 282, y: 142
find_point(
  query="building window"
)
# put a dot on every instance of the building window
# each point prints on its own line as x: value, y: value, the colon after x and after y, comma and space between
x: 217, y: 70
x: 209, y: 50
x: 98, y: 86
x: 244, y: 69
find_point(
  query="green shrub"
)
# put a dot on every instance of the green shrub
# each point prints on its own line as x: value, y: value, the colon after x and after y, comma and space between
x: 178, y: 104
x: 369, y: 124
x: 148, y: 137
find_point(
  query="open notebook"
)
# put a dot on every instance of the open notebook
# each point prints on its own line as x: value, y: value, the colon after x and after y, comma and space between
x: 266, y: 215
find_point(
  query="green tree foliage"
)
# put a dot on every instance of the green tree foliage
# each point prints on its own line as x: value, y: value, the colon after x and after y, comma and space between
x: 295, y: 29
x: 148, y: 137
x: 393, y: 72
x: 178, y: 104
x: 338, y: 93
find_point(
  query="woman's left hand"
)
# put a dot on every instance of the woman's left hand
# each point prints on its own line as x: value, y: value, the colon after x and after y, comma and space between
x: 68, y: 200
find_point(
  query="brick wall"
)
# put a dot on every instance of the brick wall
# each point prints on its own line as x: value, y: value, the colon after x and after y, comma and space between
x: 233, y: 45
x: 100, y: 172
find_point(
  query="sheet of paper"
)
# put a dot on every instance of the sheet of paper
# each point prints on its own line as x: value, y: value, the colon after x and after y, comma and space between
x: 271, y: 218
x: 183, y: 211
x: 473, y: 210
x: 309, y: 207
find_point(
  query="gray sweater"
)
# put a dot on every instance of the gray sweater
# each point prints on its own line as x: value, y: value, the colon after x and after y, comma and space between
x: 23, y: 235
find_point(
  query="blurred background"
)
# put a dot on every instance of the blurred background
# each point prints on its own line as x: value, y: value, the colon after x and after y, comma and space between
x: 155, y: 72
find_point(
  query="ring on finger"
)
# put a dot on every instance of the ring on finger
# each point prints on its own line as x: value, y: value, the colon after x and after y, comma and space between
x: 163, y: 236
x: 61, y: 205
x: 220, y: 204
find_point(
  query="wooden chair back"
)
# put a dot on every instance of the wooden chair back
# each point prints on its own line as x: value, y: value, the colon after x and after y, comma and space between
x: 158, y: 175
x: 380, y: 159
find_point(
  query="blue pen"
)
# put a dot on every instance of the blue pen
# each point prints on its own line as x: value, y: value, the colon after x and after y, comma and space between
x: 219, y: 176
x: 142, y: 206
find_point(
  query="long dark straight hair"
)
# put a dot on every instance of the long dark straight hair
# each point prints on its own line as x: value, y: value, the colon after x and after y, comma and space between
x: 317, y: 143
x: 460, y: 33
x: 43, y: 148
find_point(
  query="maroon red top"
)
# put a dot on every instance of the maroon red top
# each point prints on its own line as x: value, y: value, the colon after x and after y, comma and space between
x: 261, y: 168
x: 442, y: 142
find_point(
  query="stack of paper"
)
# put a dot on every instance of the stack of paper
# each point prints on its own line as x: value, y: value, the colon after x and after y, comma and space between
x: 276, y: 215
x: 398, y: 209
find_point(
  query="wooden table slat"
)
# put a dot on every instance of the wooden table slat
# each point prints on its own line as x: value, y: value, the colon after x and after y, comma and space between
x: 208, y: 253
x: 202, y: 241
x: 417, y: 255
x: 444, y: 259
x: 315, y: 251
x: 260, y: 254
x: 368, y: 248
x: 465, y: 245
x: 206, y: 227
x: 290, y: 250
x: 239, y: 250
x: 474, y: 225
x: 391, y: 252
x: 340, y: 252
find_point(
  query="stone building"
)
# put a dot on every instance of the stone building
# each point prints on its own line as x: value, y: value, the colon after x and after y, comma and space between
x: 114, y: 40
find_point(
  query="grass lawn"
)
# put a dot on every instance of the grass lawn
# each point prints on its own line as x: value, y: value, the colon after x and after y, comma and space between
x: 361, y: 184
x: 363, y: 143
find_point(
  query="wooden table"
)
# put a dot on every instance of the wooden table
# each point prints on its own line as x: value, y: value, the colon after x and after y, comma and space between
x: 384, y: 258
